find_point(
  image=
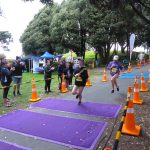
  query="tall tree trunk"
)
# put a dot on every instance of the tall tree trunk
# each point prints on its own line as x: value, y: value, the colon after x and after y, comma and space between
x: 83, y: 40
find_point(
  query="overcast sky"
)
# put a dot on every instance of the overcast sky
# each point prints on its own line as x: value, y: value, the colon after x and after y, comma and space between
x: 16, y: 16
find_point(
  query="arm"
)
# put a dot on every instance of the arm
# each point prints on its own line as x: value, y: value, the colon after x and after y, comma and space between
x: 109, y: 66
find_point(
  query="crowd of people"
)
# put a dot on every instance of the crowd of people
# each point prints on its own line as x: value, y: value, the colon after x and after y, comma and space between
x: 13, y: 72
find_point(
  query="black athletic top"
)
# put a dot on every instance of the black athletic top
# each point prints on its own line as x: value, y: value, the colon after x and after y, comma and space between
x: 81, y: 80
x: 47, y: 71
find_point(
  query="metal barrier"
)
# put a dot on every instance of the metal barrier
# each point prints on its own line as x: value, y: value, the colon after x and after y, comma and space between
x: 118, y: 134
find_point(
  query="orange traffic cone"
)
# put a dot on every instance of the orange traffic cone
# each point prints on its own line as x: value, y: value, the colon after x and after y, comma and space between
x: 143, y: 88
x: 88, y: 83
x: 129, y: 93
x: 138, y: 65
x: 34, y: 93
x: 63, y: 85
x: 107, y: 148
x: 149, y: 75
x: 129, y: 126
x: 104, y: 77
x: 129, y: 68
x: 136, y: 95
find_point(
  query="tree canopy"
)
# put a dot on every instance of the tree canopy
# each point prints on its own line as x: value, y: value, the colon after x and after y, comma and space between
x: 5, y: 39
x: 77, y: 23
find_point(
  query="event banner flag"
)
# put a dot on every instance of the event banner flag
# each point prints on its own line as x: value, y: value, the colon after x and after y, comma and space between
x: 132, y: 40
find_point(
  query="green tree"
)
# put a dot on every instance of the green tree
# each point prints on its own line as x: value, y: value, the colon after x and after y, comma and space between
x: 42, y: 1
x: 69, y: 26
x: 36, y: 38
x: 5, y: 39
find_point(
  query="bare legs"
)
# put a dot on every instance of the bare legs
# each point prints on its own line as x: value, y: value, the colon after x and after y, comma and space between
x: 114, y: 82
x: 77, y: 90
x: 16, y: 87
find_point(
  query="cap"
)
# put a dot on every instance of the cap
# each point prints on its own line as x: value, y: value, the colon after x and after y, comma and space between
x: 116, y: 57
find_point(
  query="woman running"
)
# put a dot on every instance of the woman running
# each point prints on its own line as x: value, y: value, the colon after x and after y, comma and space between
x: 81, y: 77
x: 114, y: 67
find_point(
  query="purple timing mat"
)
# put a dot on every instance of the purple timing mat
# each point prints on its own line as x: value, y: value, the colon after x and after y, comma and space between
x: 76, y: 133
x: 9, y: 146
x: 87, y: 108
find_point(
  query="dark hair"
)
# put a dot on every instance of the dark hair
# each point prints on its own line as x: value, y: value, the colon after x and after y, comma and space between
x: 82, y: 60
x: 18, y: 58
x: 3, y: 63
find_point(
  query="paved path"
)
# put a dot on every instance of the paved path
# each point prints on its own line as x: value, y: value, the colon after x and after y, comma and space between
x: 100, y: 92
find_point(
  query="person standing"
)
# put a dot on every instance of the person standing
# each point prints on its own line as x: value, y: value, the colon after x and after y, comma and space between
x: 71, y: 73
x: 47, y: 75
x: 6, y: 80
x: 81, y: 77
x: 114, y: 66
x: 17, y: 75
x: 61, y: 68
x: 67, y: 74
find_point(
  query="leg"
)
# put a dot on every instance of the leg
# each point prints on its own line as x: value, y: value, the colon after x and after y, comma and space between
x: 18, y: 85
x: 75, y: 90
x: 48, y: 85
x: 113, y: 84
x: 5, y: 93
x: 14, y: 91
x: 80, y: 93
x: 18, y: 89
x: 71, y: 79
x: 115, y: 81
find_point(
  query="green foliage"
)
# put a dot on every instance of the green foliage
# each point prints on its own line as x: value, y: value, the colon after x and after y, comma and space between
x: 5, y: 37
x: 42, y: 1
x: 36, y: 38
x: 73, y: 24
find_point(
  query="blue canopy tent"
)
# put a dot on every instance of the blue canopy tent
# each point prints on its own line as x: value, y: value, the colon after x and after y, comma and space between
x: 47, y: 55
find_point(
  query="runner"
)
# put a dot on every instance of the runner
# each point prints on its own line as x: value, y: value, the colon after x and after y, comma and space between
x: 81, y: 77
x: 114, y: 66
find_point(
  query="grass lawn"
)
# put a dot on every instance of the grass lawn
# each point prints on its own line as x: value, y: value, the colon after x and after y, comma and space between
x: 22, y: 102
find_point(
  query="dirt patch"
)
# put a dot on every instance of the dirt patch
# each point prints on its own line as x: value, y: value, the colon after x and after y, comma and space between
x: 142, y: 118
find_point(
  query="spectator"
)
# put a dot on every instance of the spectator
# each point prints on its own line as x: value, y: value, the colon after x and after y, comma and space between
x: 6, y: 80
x: 67, y: 74
x: 71, y: 73
x: 47, y: 75
x: 17, y: 75
x: 61, y: 69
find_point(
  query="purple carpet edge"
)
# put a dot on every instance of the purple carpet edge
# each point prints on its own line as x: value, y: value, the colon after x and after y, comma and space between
x: 98, y: 137
x: 15, y: 145
x: 85, y: 114
x: 56, y: 142
x: 117, y: 111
